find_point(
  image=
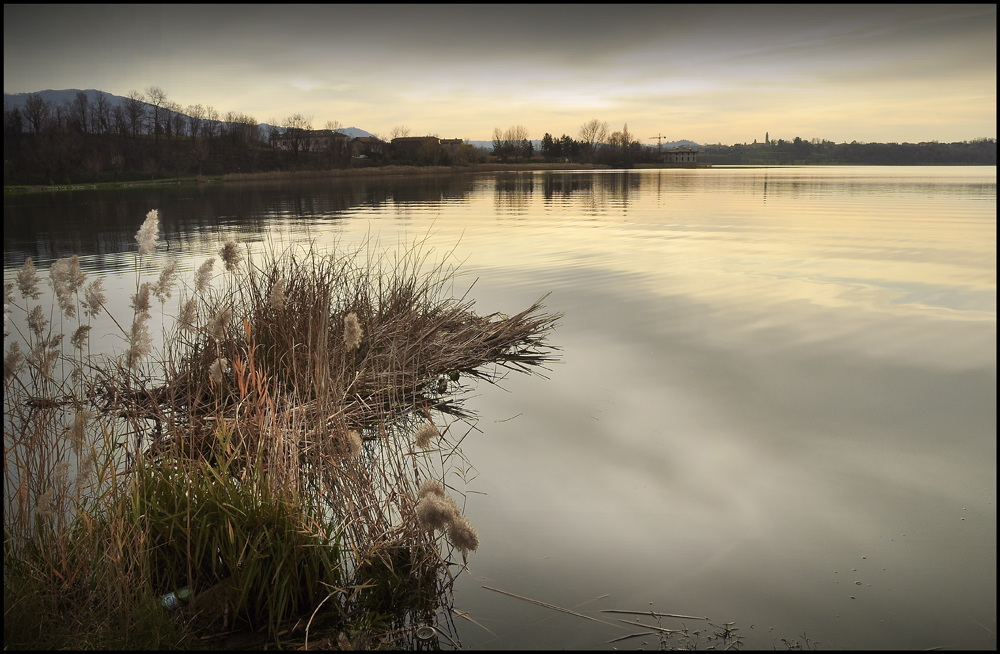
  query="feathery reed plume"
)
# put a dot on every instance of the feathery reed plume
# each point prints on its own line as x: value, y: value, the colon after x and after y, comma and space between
x: 95, y: 297
x: 8, y: 299
x: 79, y: 337
x: 217, y: 369
x: 462, y: 534
x: 140, y: 342
x: 27, y: 280
x: 431, y: 487
x: 231, y: 255
x: 204, y: 276
x: 45, y: 504
x: 435, y: 511
x: 424, y: 435
x: 147, y: 234
x: 13, y: 361
x: 62, y: 473
x: 77, y: 431
x: 140, y: 301
x: 276, y: 300
x: 37, y: 321
x: 168, y: 279
x: 83, y: 471
x: 189, y: 315
x: 43, y: 357
x: 218, y: 323
x: 352, y: 331
x: 59, y: 277
x: 76, y: 276
x: 354, y: 443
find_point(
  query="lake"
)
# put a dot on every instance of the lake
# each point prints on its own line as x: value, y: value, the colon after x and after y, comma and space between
x: 775, y: 402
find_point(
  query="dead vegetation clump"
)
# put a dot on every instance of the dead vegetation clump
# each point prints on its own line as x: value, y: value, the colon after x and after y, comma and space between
x: 307, y: 396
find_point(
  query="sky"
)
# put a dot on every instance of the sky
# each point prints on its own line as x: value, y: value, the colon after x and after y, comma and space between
x: 707, y: 73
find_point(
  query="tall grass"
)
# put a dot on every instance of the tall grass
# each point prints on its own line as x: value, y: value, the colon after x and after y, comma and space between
x: 270, y: 456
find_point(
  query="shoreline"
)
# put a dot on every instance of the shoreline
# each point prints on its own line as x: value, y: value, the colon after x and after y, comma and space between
x: 373, y: 171
x: 387, y: 171
x: 393, y: 170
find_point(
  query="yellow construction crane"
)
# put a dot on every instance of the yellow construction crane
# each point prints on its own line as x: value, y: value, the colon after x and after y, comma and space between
x: 657, y: 137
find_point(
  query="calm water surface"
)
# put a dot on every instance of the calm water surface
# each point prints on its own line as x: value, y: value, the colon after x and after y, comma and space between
x: 775, y: 383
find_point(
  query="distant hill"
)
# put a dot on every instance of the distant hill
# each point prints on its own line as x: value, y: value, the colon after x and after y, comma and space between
x: 353, y: 132
x: 683, y: 143
x: 57, y: 97
x: 69, y: 95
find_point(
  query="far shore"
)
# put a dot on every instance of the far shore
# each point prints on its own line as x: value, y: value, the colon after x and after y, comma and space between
x: 407, y: 170
x: 373, y: 171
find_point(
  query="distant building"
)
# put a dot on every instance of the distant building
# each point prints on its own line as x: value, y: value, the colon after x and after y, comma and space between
x: 408, y: 147
x: 366, y: 146
x: 312, y: 140
x: 451, y: 144
x: 680, y: 155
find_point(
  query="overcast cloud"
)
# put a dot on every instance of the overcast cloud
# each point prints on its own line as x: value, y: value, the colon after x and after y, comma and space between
x: 711, y: 74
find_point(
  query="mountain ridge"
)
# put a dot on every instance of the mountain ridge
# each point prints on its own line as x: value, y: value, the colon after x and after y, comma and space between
x: 58, y: 96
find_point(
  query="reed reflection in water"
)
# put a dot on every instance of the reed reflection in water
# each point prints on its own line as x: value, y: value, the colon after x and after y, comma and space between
x: 769, y: 377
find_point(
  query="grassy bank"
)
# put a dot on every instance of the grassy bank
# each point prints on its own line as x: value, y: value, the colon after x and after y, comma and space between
x: 374, y: 171
x: 173, y: 181
x: 290, y: 457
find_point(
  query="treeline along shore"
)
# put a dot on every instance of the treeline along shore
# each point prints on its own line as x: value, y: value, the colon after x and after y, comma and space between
x: 145, y: 138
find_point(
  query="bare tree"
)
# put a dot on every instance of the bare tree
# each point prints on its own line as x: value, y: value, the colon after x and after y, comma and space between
x: 511, y: 142
x: 195, y: 116
x: 173, y: 119
x: 501, y: 148
x: 157, y: 97
x: 593, y: 133
x: 81, y: 107
x: 119, y: 120
x: 135, y: 110
x: 333, y: 125
x: 517, y: 140
x: 297, y: 128
x: 399, y: 131
x: 210, y: 128
x: 273, y: 132
x: 229, y: 125
x: 13, y: 121
x: 64, y: 111
x: 36, y: 111
x: 100, y: 117
x: 246, y: 129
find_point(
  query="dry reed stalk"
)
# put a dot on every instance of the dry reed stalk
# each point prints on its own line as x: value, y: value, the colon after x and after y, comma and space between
x: 659, y: 629
x: 656, y: 615
x: 285, y: 407
x: 550, y: 606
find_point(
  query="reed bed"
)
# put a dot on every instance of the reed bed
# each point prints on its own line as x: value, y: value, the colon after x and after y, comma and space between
x: 292, y: 455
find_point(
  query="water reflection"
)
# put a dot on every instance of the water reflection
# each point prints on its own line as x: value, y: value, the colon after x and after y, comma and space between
x: 769, y: 374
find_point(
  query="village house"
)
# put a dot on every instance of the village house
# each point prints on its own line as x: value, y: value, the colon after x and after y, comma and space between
x: 366, y: 146
x: 680, y: 155
x: 408, y: 147
x: 311, y: 140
